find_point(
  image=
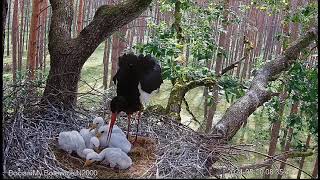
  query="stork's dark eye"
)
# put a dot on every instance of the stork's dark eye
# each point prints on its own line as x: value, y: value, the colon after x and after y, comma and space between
x: 102, y: 131
x: 90, y: 159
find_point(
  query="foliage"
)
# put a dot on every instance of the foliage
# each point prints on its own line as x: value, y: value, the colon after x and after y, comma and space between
x: 305, y: 15
x: 273, y: 108
x: 303, y: 86
x: 233, y: 87
x: 199, y: 37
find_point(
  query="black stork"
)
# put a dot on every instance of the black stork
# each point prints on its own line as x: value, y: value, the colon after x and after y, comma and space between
x: 136, y: 78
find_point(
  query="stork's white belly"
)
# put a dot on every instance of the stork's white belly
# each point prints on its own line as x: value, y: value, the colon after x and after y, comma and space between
x: 144, y: 96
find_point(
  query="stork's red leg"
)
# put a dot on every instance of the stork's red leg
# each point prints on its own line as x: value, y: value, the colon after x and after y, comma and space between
x: 129, y: 121
x: 139, y: 115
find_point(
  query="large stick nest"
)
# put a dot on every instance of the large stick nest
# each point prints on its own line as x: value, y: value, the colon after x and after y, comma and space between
x: 31, y: 130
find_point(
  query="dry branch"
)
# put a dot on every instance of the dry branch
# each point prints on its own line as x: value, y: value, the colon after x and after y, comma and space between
x: 231, y: 66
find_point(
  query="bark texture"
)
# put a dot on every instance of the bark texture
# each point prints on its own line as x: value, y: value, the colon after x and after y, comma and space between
x: 178, y: 92
x: 68, y: 55
x: 303, y: 158
x: 315, y: 169
x: 32, y: 50
x: 15, y: 40
x: 3, y: 24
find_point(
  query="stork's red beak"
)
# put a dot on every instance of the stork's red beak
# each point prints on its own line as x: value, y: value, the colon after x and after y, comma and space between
x: 113, y: 120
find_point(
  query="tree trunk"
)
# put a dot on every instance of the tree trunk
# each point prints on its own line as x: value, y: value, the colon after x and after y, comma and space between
x: 20, y: 54
x: 275, y: 133
x: 283, y: 96
x: 45, y: 40
x: 114, y: 58
x: 315, y: 169
x: 32, y: 51
x: 27, y: 26
x: 218, y: 67
x: 80, y: 16
x: 88, y: 5
x: 42, y: 32
x: 3, y: 23
x: 303, y: 158
x: 15, y: 40
x: 44, y: 24
x: 294, y: 111
x: 8, y: 26
x: 106, y: 58
x: 67, y: 55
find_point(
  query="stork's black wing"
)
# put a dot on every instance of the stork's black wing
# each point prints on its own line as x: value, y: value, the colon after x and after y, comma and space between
x: 150, y: 73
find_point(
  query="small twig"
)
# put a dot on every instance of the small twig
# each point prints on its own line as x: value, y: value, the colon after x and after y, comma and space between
x: 231, y: 66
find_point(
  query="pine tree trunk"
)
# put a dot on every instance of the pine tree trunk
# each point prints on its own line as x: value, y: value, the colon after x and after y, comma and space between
x: 114, y: 58
x: 20, y: 54
x: 42, y: 31
x: 32, y: 51
x: 15, y: 40
x: 4, y: 16
x: 106, y: 58
x: 218, y: 68
x: 275, y: 133
x: 88, y: 5
x: 27, y: 26
x: 315, y: 169
x: 294, y: 110
x: 303, y: 158
x: 80, y: 16
x: 8, y: 26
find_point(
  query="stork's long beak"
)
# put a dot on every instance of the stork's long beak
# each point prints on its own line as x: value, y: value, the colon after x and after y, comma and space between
x: 92, y: 126
x: 113, y: 120
x: 88, y: 162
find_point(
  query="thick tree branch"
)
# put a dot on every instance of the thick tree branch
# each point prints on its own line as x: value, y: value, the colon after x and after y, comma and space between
x: 207, y: 81
x: 258, y: 94
x: 107, y: 19
x: 178, y: 92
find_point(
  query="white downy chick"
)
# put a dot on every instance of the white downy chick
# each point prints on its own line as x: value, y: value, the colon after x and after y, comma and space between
x: 117, y: 140
x: 72, y: 141
x: 116, y: 157
x: 94, y: 143
x: 97, y: 123
x: 113, y: 156
x: 87, y: 134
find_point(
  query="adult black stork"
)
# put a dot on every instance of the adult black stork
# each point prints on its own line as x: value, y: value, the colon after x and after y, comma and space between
x: 137, y: 77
